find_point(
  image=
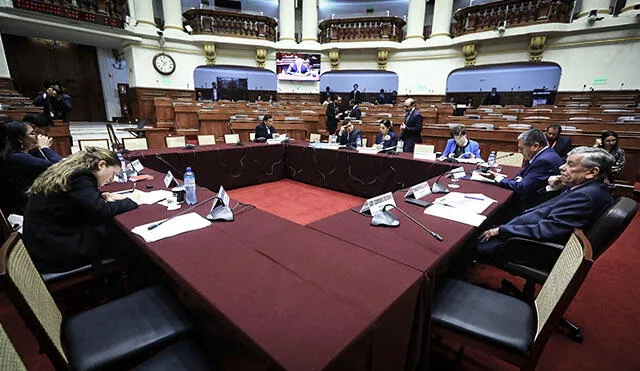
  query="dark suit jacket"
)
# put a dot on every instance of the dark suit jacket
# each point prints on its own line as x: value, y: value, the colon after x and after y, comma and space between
x: 355, y: 95
x: 392, y: 142
x: 64, y: 231
x: 54, y: 108
x: 413, y: 120
x: 554, y: 220
x: 534, y: 175
x: 355, y: 113
x: 350, y: 139
x: 562, y: 146
x: 263, y: 132
x: 381, y: 98
x: 18, y: 172
x: 492, y: 99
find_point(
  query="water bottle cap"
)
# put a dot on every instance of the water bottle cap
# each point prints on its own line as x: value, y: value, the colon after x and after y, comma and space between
x: 188, y: 169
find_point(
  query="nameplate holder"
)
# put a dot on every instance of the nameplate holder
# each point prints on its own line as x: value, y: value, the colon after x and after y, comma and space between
x: 137, y: 166
x: 424, y: 156
x: 458, y: 173
x: 168, y: 178
x: 376, y: 204
x: 418, y: 191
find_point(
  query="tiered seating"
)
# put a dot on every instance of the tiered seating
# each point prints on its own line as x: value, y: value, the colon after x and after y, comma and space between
x: 14, y: 105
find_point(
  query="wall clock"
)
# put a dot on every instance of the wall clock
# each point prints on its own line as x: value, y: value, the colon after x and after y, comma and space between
x: 164, y: 63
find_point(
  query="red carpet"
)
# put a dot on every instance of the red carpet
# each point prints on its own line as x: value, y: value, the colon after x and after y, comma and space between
x: 297, y: 202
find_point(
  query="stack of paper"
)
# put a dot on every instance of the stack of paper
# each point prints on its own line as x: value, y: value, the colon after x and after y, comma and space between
x: 179, y: 224
x: 461, y: 207
x: 149, y: 198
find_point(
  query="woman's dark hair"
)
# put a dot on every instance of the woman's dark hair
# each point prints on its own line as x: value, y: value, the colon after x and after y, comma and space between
x: 266, y: 117
x: 458, y: 130
x: 605, y: 135
x: 11, y: 135
x: 387, y: 123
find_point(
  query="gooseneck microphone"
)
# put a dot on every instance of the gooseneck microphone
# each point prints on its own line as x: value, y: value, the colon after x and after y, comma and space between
x: 179, y: 172
x: 439, y: 188
x: 432, y: 233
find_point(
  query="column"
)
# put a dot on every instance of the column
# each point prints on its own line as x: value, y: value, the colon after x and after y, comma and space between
x: 310, y: 21
x: 172, y: 11
x: 144, y: 15
x: 415, y: 19
x: 587, y: 5
x: 286, y: 22
x: 4, y: 66
x: 441, y: 24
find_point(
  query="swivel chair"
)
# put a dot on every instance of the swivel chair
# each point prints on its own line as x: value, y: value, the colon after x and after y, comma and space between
x: 604, y: 232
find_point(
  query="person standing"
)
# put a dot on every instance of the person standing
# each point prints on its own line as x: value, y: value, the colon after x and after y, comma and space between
x: 333, y: 115
x: 355, y: 94
x: 492, y: 98
x: 381, y: 98
x: 412, y: 126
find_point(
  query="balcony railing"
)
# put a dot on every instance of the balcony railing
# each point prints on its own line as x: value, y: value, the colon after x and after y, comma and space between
x: 215, y: 22
x: 515, y: 12
x: 361, y: 29
x: 103, y: 12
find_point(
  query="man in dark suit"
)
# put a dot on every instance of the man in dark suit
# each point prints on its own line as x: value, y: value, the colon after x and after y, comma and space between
x: 265, y: 129
x: 349, y: 135
x: 562, y: 145
x: 492, y: 98
x: 584, y: 199
x: 333, y: 114
x: 355, y: 94
x: 355, y: 112
x: 412, y: 125
x: 541, y: 163
x: 382, y: 97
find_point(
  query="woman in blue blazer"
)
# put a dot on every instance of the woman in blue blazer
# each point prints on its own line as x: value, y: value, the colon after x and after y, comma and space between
x: 459, y: 146
x: 386, y: 137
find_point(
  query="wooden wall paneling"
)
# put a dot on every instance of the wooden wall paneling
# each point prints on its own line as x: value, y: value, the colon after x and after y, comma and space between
x: 142, y: 100
x: 214, y: 122
x: 62, y: 141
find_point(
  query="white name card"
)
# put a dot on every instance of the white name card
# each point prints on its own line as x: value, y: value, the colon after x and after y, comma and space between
x: 424, y: 156
x: 376, y: 204
x: 222, y: 194
x: 137, y: 166
x: 168, y: 179
x: 458, y: 172
x: 418, y: 191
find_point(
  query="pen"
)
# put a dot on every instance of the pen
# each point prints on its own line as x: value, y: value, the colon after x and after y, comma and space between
x: 474, y: 198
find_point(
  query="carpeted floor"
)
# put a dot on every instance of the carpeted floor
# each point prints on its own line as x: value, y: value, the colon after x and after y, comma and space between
x: 297, y: 202
x: 606, y: 307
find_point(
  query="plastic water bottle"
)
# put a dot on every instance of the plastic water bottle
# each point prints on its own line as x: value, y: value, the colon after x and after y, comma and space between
x: 399, y: 146
x: 359, y: 141
x: 123, y: 173
x: 492, y: 159
x: 190, y: 187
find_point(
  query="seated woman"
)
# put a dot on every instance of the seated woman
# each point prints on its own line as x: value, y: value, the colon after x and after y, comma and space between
x: 65, y: 219
x: 23, y: 156
x: 459, y: 146
x: 265, y: 129
x: 386, y: 138
x: 609, y: 142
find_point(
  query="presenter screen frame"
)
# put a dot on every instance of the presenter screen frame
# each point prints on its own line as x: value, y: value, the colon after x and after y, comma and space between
x: 285, y: 62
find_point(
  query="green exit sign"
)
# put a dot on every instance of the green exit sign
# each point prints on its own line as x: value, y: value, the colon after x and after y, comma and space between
x: 599, y: 81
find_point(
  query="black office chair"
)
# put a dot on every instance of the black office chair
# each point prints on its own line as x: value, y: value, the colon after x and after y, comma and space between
x: 116, y: 335
x: 604, y: 232
x: 505, y: 326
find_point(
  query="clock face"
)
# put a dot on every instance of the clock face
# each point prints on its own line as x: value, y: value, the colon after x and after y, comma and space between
x: 164, y: 64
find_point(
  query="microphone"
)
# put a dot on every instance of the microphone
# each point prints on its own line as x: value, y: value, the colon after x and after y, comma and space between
x: 439, y: 188
x: 181, y: 173
x: 155, y: 225
x: 432, y: 233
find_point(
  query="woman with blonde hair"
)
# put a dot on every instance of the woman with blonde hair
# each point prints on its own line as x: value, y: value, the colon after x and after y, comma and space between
x: 65, y: 219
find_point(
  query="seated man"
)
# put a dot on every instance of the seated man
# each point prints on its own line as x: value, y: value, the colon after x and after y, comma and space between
x: 585, y: 198
x: 562, y: 145
x: 541, y: 163
x: 266, y: 129
x: 492, y: 98
x: 355, y: 112
x: 349, y: 135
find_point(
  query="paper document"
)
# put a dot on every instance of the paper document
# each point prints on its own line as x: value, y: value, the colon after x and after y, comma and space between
x: 147, y: 198
x: 15, y: 219
x: 455, y: 214
x: 180, y: 224
x: 476, y: 160
x: 480, y: 178
x: 475, y: 203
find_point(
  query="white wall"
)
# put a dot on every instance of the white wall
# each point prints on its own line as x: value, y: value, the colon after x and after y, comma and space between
x: 112, y: 73
x: 4, y: 67
x: 424, y: 73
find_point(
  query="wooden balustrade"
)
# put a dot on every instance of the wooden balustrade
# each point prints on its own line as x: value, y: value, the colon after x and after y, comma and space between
x: 362, y: 29
x: 515, y: 12
x: 215, y: 22
x: 103, y: 12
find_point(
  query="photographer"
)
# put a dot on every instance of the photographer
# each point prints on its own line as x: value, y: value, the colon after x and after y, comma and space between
x: 55, y: 104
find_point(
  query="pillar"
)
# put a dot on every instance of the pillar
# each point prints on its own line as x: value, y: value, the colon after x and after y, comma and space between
x: 4, y: 66
x: 441, y: 24
x: 415, y: 19
x: 286, y: 22
x: 172, y: 11
x: 587, y: 5
x: 144, y: 15
x: 310, y: 20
